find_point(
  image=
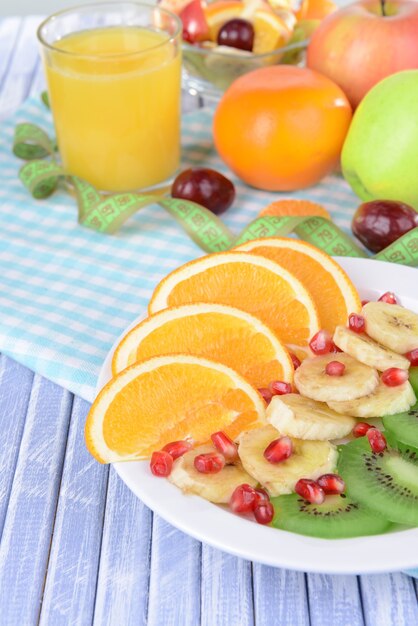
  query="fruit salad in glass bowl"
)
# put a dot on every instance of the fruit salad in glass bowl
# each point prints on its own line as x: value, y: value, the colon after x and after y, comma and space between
x: 223, y: 39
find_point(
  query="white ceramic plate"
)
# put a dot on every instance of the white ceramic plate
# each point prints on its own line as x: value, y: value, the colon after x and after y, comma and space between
x: 222, y: 529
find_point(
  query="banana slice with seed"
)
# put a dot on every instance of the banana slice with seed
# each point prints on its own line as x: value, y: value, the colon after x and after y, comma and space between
x: 391, y: 325
x: 216, y: 488
x: 383, y: 401
x: 312, y: 381
x: 368, y: 351
x: 310, y: 459
x: 297, y: 416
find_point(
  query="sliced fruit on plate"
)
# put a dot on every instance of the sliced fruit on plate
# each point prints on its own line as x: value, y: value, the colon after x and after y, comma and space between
x: 392, y: 325
x: 271, y: 31
x: 386, y: 482
x: 246, y: 281
x: 404, y: 426
x: 213, y: 487
x: 383, y: 400
x: 213, y: 331
x: 312, y: 380
x: 309, y: 459
x: 361, y: 347
x: 331, y: 288
x: 165, y: 399
x: 297, y: 416
x: 337, y: 517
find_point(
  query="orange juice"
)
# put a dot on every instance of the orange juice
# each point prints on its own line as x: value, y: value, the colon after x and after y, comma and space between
x: 115, y: 98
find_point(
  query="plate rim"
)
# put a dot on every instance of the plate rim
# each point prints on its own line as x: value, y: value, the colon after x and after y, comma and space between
x: 325, y: 564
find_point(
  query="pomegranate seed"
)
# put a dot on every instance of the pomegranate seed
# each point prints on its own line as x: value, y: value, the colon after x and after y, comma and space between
x: 210, y: 463
x: 335, y: 368
x: 388, y: 297
x: 279, y: 450
x: 266, y: 393
x: 177, y: 448
x: 264, y: 513
x: 262, y: 496
x: 243, y: 499
x: 394, y: 376
x: 225, y: 446
x: 296, y: 362
x: 279, y: 388
x: 412, y: 356
x: 376, y: 439
x: 331, y: 483
x: 310, y: 490
x: 360, y: 429
x: 363, y: 302
x: 321, y: 343
x: 161, y: 463
x: 356, y: 323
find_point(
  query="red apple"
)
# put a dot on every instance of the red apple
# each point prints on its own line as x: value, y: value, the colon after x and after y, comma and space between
x: 358, y: 45
x: 195, y: 27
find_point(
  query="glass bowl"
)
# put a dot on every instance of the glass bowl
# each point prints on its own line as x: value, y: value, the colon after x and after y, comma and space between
x: 207, y: 72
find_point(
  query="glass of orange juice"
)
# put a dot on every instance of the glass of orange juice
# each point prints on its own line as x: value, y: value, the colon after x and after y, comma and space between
x: 113, y: 76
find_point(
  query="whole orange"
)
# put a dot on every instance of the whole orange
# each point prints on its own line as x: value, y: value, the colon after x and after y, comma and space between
x: 281, y: 128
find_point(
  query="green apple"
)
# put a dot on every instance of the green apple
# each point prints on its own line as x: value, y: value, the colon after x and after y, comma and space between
x: 380, y: 154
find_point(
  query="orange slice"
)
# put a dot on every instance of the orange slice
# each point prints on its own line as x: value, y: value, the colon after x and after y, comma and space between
x: 165, y: 399
x: 248, y: 282
x: 331, y: 288
x: 270, y: 31
x: 282, y: 208
x: 213, y: 331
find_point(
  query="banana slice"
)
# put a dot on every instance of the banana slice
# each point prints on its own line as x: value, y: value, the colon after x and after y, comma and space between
x: 312, y: 381
x: 297, y: 416
x: 368, y: 351
x: 383, y: 401
x: 391, y: 325
x: 213, y: 487
x: 310, y: 459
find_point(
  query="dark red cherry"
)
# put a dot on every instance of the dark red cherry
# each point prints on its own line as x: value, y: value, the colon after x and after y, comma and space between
x: 381, y: 222
x: 237, y: 33
x: 204, y: 186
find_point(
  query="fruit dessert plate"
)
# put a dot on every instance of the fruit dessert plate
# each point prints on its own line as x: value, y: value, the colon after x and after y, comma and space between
x: 396, y: 549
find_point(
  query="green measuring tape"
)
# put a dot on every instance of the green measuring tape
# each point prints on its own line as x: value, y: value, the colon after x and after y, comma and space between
x: 107, y: 214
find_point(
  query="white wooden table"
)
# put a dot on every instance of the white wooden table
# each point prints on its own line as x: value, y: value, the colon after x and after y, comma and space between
x: 78, y: 548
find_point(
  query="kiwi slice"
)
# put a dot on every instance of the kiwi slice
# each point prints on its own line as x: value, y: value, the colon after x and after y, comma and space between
x: 404, y: 426
x: 337, y: 517
x: 413, y: 379
x: 386, y: 482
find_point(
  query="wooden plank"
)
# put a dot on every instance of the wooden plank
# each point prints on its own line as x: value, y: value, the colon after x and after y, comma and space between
x: 389, y: 600
x: 73, y: 564
x: 15, y: 388
x: 334, y: 600
x: 174, y: 591
x: 227, y: 598
x: 16, y: 85
x: 280, y: 596
x: 30, y: 514
x: 122, y: 587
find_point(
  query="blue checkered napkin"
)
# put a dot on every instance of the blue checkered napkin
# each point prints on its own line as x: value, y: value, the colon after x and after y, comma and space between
x: 66, y: 292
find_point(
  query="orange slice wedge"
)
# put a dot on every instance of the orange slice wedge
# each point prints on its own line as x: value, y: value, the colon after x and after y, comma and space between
x: 213, y: 331
x: 332, y: 290
x: 249, y: 282
x: 165, y: 399
x: 270, y: 31
x: 281, y: 208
